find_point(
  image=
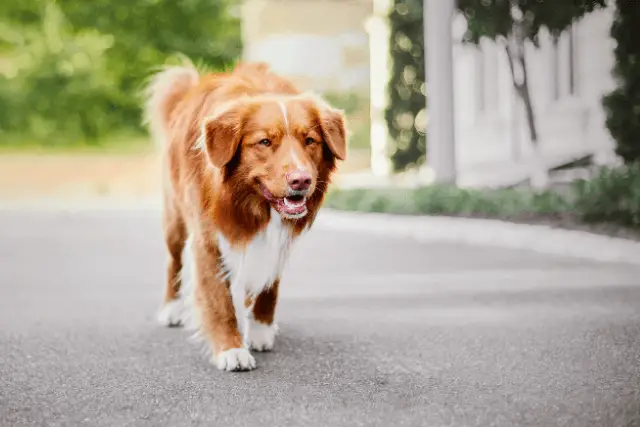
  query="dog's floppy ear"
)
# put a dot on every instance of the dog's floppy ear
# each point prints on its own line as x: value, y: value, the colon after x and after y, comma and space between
x: 332, y: 122
x: 222, y: 133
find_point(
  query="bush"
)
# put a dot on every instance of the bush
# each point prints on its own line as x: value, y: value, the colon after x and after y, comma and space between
x: 59, y: 91
x: 611, y: 197
x: 448, y: 200
x: 622, y: 106
x: 71, y: 71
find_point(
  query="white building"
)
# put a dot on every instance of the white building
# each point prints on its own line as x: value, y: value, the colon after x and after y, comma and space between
x: 567, y: 83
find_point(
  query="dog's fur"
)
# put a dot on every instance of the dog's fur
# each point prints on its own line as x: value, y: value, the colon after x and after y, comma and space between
x: 232, y: 143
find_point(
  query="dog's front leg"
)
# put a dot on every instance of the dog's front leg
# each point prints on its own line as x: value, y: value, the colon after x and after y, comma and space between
x: 261, y: 329
x: 216, y: 311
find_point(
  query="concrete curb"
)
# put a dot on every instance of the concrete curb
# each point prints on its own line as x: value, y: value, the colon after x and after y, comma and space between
x: 538, y: 238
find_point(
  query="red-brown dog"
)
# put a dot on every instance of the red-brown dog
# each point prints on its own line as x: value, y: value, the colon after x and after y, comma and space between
x: 247, y: 161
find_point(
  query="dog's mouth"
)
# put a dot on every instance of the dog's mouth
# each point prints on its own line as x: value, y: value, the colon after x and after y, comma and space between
x: 291, y: 206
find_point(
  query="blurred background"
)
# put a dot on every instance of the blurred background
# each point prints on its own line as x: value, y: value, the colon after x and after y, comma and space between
x: 524, y: 111
x: 533, y: 107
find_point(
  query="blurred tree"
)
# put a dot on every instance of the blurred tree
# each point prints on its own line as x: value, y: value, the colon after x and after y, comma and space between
x: 72, y: 70
x: 58, y: 86
x: 513, y: 23
x: 406, y: 114
x: 622, y: 106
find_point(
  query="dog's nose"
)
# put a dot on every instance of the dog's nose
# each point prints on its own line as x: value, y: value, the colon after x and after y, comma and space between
x: 299, y: 180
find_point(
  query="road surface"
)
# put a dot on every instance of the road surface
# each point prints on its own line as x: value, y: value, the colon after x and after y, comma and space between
x: 374, y: 332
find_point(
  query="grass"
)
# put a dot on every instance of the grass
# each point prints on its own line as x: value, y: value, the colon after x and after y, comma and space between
x: 448, y: 200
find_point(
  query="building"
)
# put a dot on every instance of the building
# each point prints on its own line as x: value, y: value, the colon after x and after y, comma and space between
x: 567, y: 82
x: 320, y: 44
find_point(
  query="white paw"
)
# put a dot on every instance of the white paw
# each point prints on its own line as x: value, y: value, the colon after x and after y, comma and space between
x: 171, y: 315
x: 260, y: 336
x: 235, y: 359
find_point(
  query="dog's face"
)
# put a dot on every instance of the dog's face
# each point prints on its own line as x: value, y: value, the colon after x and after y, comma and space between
x: 283, y: 148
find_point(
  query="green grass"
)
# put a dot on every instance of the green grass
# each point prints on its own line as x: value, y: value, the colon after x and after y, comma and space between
x: 447, y: 200
x: 612, y: 197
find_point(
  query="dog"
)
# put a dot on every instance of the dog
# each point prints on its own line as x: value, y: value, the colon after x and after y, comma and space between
x: 247, y: 159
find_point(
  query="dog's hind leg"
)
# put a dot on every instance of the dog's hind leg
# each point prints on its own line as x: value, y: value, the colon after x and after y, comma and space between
x: 175, y: 233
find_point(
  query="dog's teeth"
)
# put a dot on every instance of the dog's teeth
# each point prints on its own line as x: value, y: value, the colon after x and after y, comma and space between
x: 290, y: 204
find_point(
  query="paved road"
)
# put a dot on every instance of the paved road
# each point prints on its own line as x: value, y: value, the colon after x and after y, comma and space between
x: 375, y: 332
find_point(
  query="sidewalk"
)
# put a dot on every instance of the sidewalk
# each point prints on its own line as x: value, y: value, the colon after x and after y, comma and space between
x: 76, y: 176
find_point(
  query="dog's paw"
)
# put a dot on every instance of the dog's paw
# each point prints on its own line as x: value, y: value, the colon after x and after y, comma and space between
x: 235, y: 359
x: 260, y: 336
x: 172, y: 314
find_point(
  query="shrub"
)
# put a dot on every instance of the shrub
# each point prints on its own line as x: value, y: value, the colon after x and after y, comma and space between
x: 610, y: 197
x: 71, y: 71
x: 613, y: 196
x: 449, y: 200
x: 622, y: 106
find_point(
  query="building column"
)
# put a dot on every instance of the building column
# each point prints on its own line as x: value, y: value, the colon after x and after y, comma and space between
x: 378, y: 29
x: 438, y: 15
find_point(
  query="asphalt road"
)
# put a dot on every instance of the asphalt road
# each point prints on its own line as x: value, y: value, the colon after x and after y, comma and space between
x: 374, y: 332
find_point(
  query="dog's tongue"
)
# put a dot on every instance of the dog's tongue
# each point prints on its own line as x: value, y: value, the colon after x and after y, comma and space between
x: 290, y: 206
x: 294, y: 202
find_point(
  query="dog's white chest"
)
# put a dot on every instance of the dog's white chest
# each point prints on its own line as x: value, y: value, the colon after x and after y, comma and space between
x: 263, y: 259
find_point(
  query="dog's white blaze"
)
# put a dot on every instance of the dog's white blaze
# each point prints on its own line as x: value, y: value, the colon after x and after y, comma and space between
x: 284, y: 113
x: 296, y: 161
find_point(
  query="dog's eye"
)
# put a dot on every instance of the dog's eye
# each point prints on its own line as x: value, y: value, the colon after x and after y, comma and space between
x: 265, y: 142
x: 309, y: 141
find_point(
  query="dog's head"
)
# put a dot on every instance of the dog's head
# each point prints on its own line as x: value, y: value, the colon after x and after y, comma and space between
x: 283, y: 148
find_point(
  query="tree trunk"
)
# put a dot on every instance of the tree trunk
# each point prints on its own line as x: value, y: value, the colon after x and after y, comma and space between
x: 526, y: 99
x: 538, y: 172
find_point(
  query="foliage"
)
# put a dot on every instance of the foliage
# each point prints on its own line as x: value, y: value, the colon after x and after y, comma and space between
x: 612, y: 196
x: 448, y: 200
x: 622, y: 106
x: 406, y: 114
x: 72, y: 71
x: 494, y: 19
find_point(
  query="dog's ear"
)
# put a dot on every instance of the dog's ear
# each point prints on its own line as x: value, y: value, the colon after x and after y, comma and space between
x: 332, y: 122
x: 222, y: 133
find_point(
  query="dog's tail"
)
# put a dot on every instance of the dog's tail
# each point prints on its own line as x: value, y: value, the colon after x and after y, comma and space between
x: 164, y: 91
